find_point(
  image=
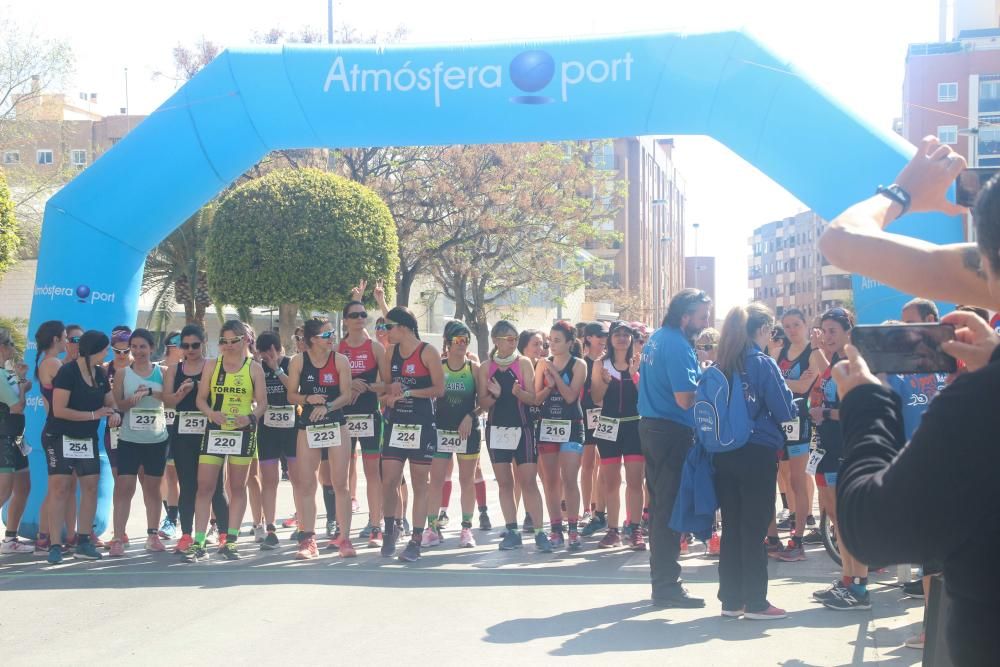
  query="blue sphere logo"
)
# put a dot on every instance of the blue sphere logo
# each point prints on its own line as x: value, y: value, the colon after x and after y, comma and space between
x: 82, y: 292
x: 531, y: 71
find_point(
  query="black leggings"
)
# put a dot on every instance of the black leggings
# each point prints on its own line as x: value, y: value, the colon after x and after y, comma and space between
x: 185, y: 450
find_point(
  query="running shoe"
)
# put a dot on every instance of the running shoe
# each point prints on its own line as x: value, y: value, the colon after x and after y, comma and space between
x: 222, y: 540
x: 355, y: 506
x: 411, y: 553
x: 846, y: 599
x: 15, y: 546
x: 812, y: 537
x: 529, y: 524
x: 55, y: 555
x: 466, y: 540
x: 96, y: 541
x: 557, y: 540
x: 365, y: 532
x: 574, y: 543
x: 542, y: 544
x: 714, y: 546
x: 769, y: 614
x: 810, y: 521
x: 406, y: 528
x: 331, y: 528
x: 375, y: 537
x: 212, y: 536
x: 595, y: 524
x: 290, y: 522
x: 644, y: 524
x: 484, y: 521
x: 431, y: 538
x: 259, y: 533
x: 270, y: 542
x: 296, y: 536
x: 828, y: 593
x: 732, y: 613
x: 86, y: 551
x: 154, y: 544
x: 636, y: 541
x: 347, y: 549
x: 916, y: 641
x: 183, y: 544
x: 783, y: 515
x: 168, y: 529
x: 683, y: 546
x: 626, y: 530
x: 195, y: 553
x: 42, y: 547
x: 510, y: 541
x: 229, y: 551
x: 787, y: 523
x: 117, y: 549
x: 307, y: 549
x: 773, y: 550
x: 914, y: 589
x: 389, y: 543
x: 443, y: 519
x: 610, y: 540
x: 792, y: 553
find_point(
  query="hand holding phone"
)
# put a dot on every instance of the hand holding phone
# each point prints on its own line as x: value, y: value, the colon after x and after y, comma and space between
x: 905, y: 348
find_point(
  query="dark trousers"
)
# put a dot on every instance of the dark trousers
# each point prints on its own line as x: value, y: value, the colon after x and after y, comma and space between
x: 186, y: 451
x: 665, y: 445
x: 744, y: 483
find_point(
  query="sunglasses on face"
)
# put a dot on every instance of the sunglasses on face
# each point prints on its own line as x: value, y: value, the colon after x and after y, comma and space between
x: 380, y: 327
x: 389, y: 326
x: 230, y: 341
x: 191, y: 346
x: 460, y: 340
x: 326, y: 335
x: 507, y: 339
x: 120, y: 351
x: 73, y: 339
x: 359, y: 315
x: 708, y: 347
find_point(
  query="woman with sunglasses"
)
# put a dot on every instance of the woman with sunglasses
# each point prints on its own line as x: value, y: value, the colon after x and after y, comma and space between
x: 616, y: 387
x: 73, y: 333
x: 142, y: 441
x: 15, y: 478
x: 851, y: 590
x: 403, y: 494
x: 417, y: 380
x: 458, y: 433
x: 506, y: 389
x: 81, y: 397
x: 232, y: 395
x: 170, y: 487
x: 188, y: 431
x: 120, y: 360
x: 50, y: 342
x: 558, y: 385
x: 369, y: 373
x: 531, y: 345
x: 320, y: 381
x: 595, y: 340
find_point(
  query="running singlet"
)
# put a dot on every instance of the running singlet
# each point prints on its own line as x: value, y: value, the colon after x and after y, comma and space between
x: 508, y: 411
x: 412, y: 374
x: 188, y: 403
x: 586, y: 401
x: 831, y: 437
x: 459, y: 397
x: 792, y: 369
x: 364, y: 366
x: 276, y: 392
x: 622, y: 397
x: 232, y: 393
x: 323, y: 381
x: 555, y: 406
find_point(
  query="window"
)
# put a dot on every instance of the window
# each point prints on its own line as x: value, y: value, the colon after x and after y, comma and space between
x: 78, y: 158
x: 947, y: 92
x: 44, y: 157
x: 11, y: 157
x: 604, y: 156
x: 948, y: 134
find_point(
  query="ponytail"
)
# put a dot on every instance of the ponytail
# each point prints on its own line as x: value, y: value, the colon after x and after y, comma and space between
x: 740, y: 324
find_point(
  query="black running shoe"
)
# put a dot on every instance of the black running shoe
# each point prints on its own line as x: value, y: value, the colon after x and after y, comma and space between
x: 484, y: 521
x: 389, y: 542
x: 411, y: 553
x: 229, y: 551
x: 270, y: 542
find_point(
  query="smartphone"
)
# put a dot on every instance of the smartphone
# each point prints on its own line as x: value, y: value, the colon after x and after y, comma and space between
x: 905, y: 348
x: 970, y: 182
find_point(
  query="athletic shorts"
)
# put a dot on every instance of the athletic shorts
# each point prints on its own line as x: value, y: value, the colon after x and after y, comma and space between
x: 557, y: 447
x: 371, y: 446
x: 247, y: 444
x: 11, y: 457
x: 577, y: 434
x: 60, y: 464
x: 473, y: 445
x: 332, y: 418
x: 830, y: 463
x: 151, y: 457
x: 422, y: 454
x: 588, y: 438
x: 626, y: 447
x: 526, y: 452
x: 111, y: 452
x: 273, y: 443
x: 826, y: 479
x: 794, y: 450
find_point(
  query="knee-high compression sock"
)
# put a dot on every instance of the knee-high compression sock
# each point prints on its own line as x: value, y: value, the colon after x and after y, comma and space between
x: 330, y: 502
x: 446, y: 494
x: 481, y: 494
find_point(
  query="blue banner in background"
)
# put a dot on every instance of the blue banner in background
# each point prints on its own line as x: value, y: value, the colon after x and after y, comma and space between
x: 247, y: 102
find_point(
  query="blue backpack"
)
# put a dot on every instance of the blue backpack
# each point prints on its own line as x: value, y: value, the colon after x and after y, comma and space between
x: 721, y: 417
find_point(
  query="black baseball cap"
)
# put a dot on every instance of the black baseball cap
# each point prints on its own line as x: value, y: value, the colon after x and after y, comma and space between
x: 596, y: 329
x: 621, y: 324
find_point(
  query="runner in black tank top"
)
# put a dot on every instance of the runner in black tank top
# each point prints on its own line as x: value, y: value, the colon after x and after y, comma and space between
x: 595, y: 339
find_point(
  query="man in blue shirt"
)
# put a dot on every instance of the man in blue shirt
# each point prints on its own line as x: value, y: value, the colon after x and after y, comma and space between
x: 668, y: 378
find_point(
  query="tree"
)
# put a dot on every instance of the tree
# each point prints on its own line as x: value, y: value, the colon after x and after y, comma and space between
x: 9, y: 240
x: 298, y: 238
x: 175, y: 272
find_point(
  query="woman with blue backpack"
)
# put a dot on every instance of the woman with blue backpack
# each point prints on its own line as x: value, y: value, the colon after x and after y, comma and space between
x: 745, y: 442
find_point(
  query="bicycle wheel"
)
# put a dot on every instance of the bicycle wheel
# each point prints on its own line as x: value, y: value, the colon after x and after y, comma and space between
x: 829, y: 532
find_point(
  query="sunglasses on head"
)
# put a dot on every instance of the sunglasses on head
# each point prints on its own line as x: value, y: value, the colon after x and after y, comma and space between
x: 191, y: 346
x: 73, y: 339
x: 120, y: 351
x: 326, y: 335
x: 230, y: 341
x: 460, y: 340
x: 509, y: 339
x: 357, y: 315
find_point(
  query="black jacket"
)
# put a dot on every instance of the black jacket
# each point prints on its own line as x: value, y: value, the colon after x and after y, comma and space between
x: 933, y: 499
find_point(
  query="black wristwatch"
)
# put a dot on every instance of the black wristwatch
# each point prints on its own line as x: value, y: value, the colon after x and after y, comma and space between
x: 896, y: 194
x: 826, y: 413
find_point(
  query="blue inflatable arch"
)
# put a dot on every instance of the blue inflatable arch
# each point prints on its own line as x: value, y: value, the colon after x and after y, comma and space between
x: 99, y: 228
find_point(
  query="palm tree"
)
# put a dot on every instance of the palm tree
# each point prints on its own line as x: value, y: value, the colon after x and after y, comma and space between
x: 175, y: 272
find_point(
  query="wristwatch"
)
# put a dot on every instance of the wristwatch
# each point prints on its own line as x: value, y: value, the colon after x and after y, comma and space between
x: 826, y: 413
x: 406, y: 393
x: 896, y: 194
x: 149, y: 391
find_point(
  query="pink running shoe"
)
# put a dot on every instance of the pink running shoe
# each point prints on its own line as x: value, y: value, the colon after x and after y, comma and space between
x: 154, y: 544
x: 117, y: 549
x: 466, y: 540
x: 430, y: 538
x: 771, y: 613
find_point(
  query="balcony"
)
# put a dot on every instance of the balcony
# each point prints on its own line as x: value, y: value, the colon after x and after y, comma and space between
x: 839, y: 295
x: 603, y: 250
x: 831, y: 270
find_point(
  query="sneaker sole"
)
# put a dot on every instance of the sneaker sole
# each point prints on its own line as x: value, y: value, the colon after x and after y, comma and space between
x: 764, y: 617
x: 731, y: 614
x: 858, y: 607
x: 792, y: 559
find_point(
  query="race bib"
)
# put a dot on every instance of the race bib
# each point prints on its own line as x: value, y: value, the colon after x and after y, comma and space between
x: 280, y: 416
x: 225, y: 443
x: 77, y: 448
x: 555, y: 430
x: 113, y: 434
x: 505, y: 437
x: 142, y: 419
x: 791, y: 430
x: 321, y: 436
x: 452, y: 443
x: 191, y: 423
x: 169, y: 416
x: 593, y: 418
x: 815, y: 456
x: 607, y: 429
x: 405, y: 436
x: 360, y: 426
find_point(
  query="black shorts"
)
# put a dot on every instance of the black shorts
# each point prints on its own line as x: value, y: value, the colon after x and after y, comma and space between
x: 370, y: 446
x: 60, y: 464
x: 150, y: 456
x: 11, y: 457
x: 273, y: 443
x: 526, y: 452
x: 473, y: 445
x: 626, y: 447
x: 111, y: 452
x: 332, y: 418
x: 588, y: 438
x: 421, y: 454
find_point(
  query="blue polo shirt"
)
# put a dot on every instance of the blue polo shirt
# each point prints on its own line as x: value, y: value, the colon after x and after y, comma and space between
x: 669, y: 364
x: 916, y: 392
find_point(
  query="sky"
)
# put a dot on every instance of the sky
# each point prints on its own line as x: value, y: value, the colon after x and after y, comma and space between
x: 855, y: 49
